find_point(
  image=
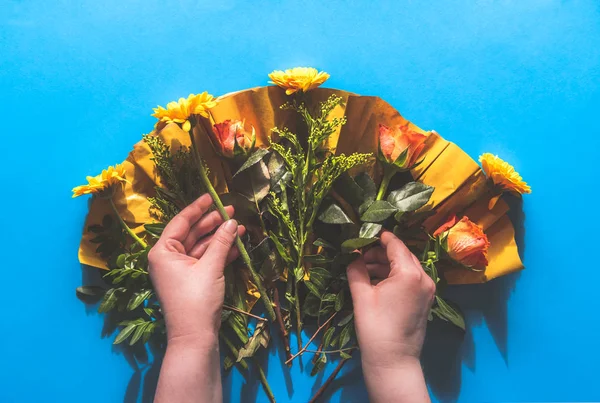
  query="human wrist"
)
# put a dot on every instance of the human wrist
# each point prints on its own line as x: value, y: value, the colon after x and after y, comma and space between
x: 400, y: 381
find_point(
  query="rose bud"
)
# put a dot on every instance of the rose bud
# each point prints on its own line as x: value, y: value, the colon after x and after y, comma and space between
x: 400, y: 147
x: 465, y: 242
x: 233, y: 138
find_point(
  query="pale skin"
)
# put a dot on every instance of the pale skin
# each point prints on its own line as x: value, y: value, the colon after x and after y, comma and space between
x: 391, y: 295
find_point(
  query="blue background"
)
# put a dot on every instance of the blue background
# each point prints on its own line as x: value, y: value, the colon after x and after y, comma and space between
x: 517, y: 78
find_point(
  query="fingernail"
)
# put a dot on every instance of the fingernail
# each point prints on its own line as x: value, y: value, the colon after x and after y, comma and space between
x: 230, y: 226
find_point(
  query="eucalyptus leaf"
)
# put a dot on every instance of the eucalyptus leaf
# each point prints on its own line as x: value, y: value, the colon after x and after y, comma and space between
x: 411, y: 196
x: 345, y: 335
x: 369, y: 230
x: 334, y: 214
x: 253, y: 159
x: 255, y: 184
x: 379, y: 211
x: 324, y: 244
x: 346, y: 319
x: 366, y: 183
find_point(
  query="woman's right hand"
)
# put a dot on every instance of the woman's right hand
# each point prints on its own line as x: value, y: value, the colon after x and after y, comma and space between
x: 392, y: 296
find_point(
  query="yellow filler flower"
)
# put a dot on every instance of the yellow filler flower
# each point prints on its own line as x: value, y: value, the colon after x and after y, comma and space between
x: 503, y: 174
x: 298, y: 79
x: 97, y: 184
x: 180, y: 111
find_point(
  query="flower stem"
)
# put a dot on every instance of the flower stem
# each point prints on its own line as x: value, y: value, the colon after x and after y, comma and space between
x: 244, y: 365
x: 238, y: 242
x: 388, y: 173
x: 136, y: 238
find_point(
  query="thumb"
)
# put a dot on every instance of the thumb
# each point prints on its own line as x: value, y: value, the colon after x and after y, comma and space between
x: 358, y: 280
x: 216, y: 254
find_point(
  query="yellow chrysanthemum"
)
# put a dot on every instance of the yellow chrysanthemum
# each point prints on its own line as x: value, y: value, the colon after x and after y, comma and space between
x: 298, y: 79
x: 180, y: 111
x: 503, y: 174
x: 96, y: 184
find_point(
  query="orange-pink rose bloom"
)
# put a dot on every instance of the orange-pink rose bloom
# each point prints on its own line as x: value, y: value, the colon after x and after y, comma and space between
x: 467, y: 244
x: 393, y: 143
x: 229, y: 132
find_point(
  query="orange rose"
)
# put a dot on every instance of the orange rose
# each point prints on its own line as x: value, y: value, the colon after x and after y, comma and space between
x: 232, y: 134
x: 402, y: 142
x: 466, y: 242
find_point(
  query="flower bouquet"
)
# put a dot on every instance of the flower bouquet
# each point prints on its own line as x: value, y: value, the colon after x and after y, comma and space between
x: 315, y: 175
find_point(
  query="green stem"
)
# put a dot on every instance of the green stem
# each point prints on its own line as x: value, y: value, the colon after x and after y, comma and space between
x: 298, y: 316
x: 238, y: 242
x: 244, y: 365
x: 263, y: 380
x: 143, y: 244
x: 388, y: 174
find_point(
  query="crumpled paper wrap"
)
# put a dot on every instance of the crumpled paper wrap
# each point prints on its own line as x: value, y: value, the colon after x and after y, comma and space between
x: 459, y: 182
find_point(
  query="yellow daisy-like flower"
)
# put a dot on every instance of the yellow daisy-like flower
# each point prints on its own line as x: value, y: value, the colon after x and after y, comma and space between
x: 180, y: 111
x: 503, y: 174
x: 298, y: 79
x: 96, y: 184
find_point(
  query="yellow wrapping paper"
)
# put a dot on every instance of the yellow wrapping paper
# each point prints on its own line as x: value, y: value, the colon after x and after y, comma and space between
x: 459, y: 182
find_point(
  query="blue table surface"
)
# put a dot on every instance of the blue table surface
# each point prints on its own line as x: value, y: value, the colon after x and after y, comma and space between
x: 517, y: 78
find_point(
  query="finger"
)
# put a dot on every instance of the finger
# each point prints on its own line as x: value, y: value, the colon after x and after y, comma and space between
x: 218, y: 249
x: 198, y: 250
x: 377, y: 270
x: 204, y: 226
x: 398, y: 254
x: 376, y: 255
x: 179, y: 227
x: 358, y: 279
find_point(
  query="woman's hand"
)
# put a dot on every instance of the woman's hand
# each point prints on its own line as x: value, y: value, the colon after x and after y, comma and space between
x: 392, y: 296
x: 186, y: 268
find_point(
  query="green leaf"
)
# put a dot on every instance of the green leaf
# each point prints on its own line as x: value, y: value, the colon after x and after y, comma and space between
x: 364, y: 180
x: 139, y: 331
x: 109, y: 301
x: 253, y: 159
x: 319, y: 365
x: 369, y: 230
x: 259, y: 338
x: 334, y: 215
x: 350, y: 245
x: 346, y: 319
x: 448, y: 313
x: 345, y: 355
x: 328, y: 335
x: 411, y: 196
x: 138, y: 298
x: 277, y: 169
x: 121, y: 260
x: 379, y: 211
x: 318, y: 259
x: 127, y: 330
x: 280, y: 248
x: 401, y: 160
x: 324, y: 244
x: 155, y: 229
x: 255, y: 185
x: 339, y: 301
x: 329, y: 297
x: 311, y: 305
x: 345, y: 335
